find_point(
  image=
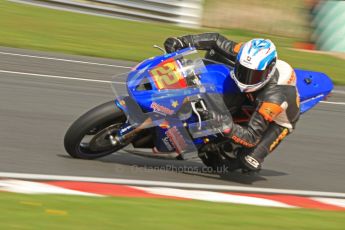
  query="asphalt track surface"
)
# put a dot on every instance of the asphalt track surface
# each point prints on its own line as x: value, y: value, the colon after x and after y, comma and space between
x: 41, y: 97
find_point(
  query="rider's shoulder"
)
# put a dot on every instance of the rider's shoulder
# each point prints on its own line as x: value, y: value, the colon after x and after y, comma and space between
x: 287, y: 75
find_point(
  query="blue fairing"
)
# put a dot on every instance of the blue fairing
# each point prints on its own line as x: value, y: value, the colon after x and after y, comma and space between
x: 312, y: 86
x: 219, y: 75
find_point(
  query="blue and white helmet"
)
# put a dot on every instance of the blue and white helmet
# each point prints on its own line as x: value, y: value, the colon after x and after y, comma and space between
x: 255, y: 64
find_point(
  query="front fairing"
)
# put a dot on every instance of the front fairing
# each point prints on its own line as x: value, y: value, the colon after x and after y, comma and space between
x: 164, y: 78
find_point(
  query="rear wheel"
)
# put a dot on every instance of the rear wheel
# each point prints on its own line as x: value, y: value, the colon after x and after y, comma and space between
x: 218, y: 159
x: 88, y: 136
x: 213, y: 160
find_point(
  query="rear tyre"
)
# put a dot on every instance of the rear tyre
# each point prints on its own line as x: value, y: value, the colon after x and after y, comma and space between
x: 88, y: 136
x: 213, y: 160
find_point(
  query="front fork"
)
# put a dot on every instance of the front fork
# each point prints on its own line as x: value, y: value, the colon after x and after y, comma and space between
x: 129, y: 131
x: 125, y: 135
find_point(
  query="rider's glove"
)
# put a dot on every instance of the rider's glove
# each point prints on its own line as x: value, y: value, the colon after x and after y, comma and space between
x: 173, y: 44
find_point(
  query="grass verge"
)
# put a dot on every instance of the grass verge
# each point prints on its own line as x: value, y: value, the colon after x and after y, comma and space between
x: 76, y: 212
x: 39, y: 28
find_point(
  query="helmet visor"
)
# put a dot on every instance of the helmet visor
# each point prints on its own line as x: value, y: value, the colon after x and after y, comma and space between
x: 249, y: 76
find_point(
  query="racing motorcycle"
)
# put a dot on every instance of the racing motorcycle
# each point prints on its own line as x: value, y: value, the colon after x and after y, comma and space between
x: 171, y: 106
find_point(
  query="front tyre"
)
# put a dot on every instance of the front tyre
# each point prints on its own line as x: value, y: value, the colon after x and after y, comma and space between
x: 88, y: 136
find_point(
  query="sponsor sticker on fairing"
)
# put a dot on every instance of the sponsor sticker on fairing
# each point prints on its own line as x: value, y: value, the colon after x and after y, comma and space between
x: 176, y: 139
x: 161, y: 109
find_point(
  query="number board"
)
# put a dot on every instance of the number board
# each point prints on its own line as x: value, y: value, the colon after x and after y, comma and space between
x: 166, y: 75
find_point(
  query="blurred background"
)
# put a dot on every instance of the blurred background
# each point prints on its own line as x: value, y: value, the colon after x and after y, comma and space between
x: 318, y: 23
x: 288, y: 18
x: 308, y: 33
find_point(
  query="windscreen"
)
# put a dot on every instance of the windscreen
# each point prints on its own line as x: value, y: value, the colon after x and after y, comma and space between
x: 172, y: 72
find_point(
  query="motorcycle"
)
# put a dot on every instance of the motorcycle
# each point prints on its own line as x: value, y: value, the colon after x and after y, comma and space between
x: 172, y: 106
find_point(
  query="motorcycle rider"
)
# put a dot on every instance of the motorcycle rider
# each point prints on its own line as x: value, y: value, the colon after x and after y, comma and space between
x: 268, y: 83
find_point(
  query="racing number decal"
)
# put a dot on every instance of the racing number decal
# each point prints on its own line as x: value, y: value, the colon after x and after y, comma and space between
x: 166, y: 76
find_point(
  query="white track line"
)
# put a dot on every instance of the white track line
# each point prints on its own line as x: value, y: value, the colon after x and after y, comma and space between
x: 65, y: 60
x: 95, y: 63
x: 29, y: 176
x: 333, y: 102
x: 103, y: 81
x: 338, y: 91
x: 60, y: 77
x: 110, y: 65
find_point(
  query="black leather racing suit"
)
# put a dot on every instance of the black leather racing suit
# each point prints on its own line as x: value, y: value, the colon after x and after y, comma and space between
x: 277, y: 103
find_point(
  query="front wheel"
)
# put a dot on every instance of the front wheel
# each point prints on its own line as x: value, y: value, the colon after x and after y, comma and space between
x: 88, y: 136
